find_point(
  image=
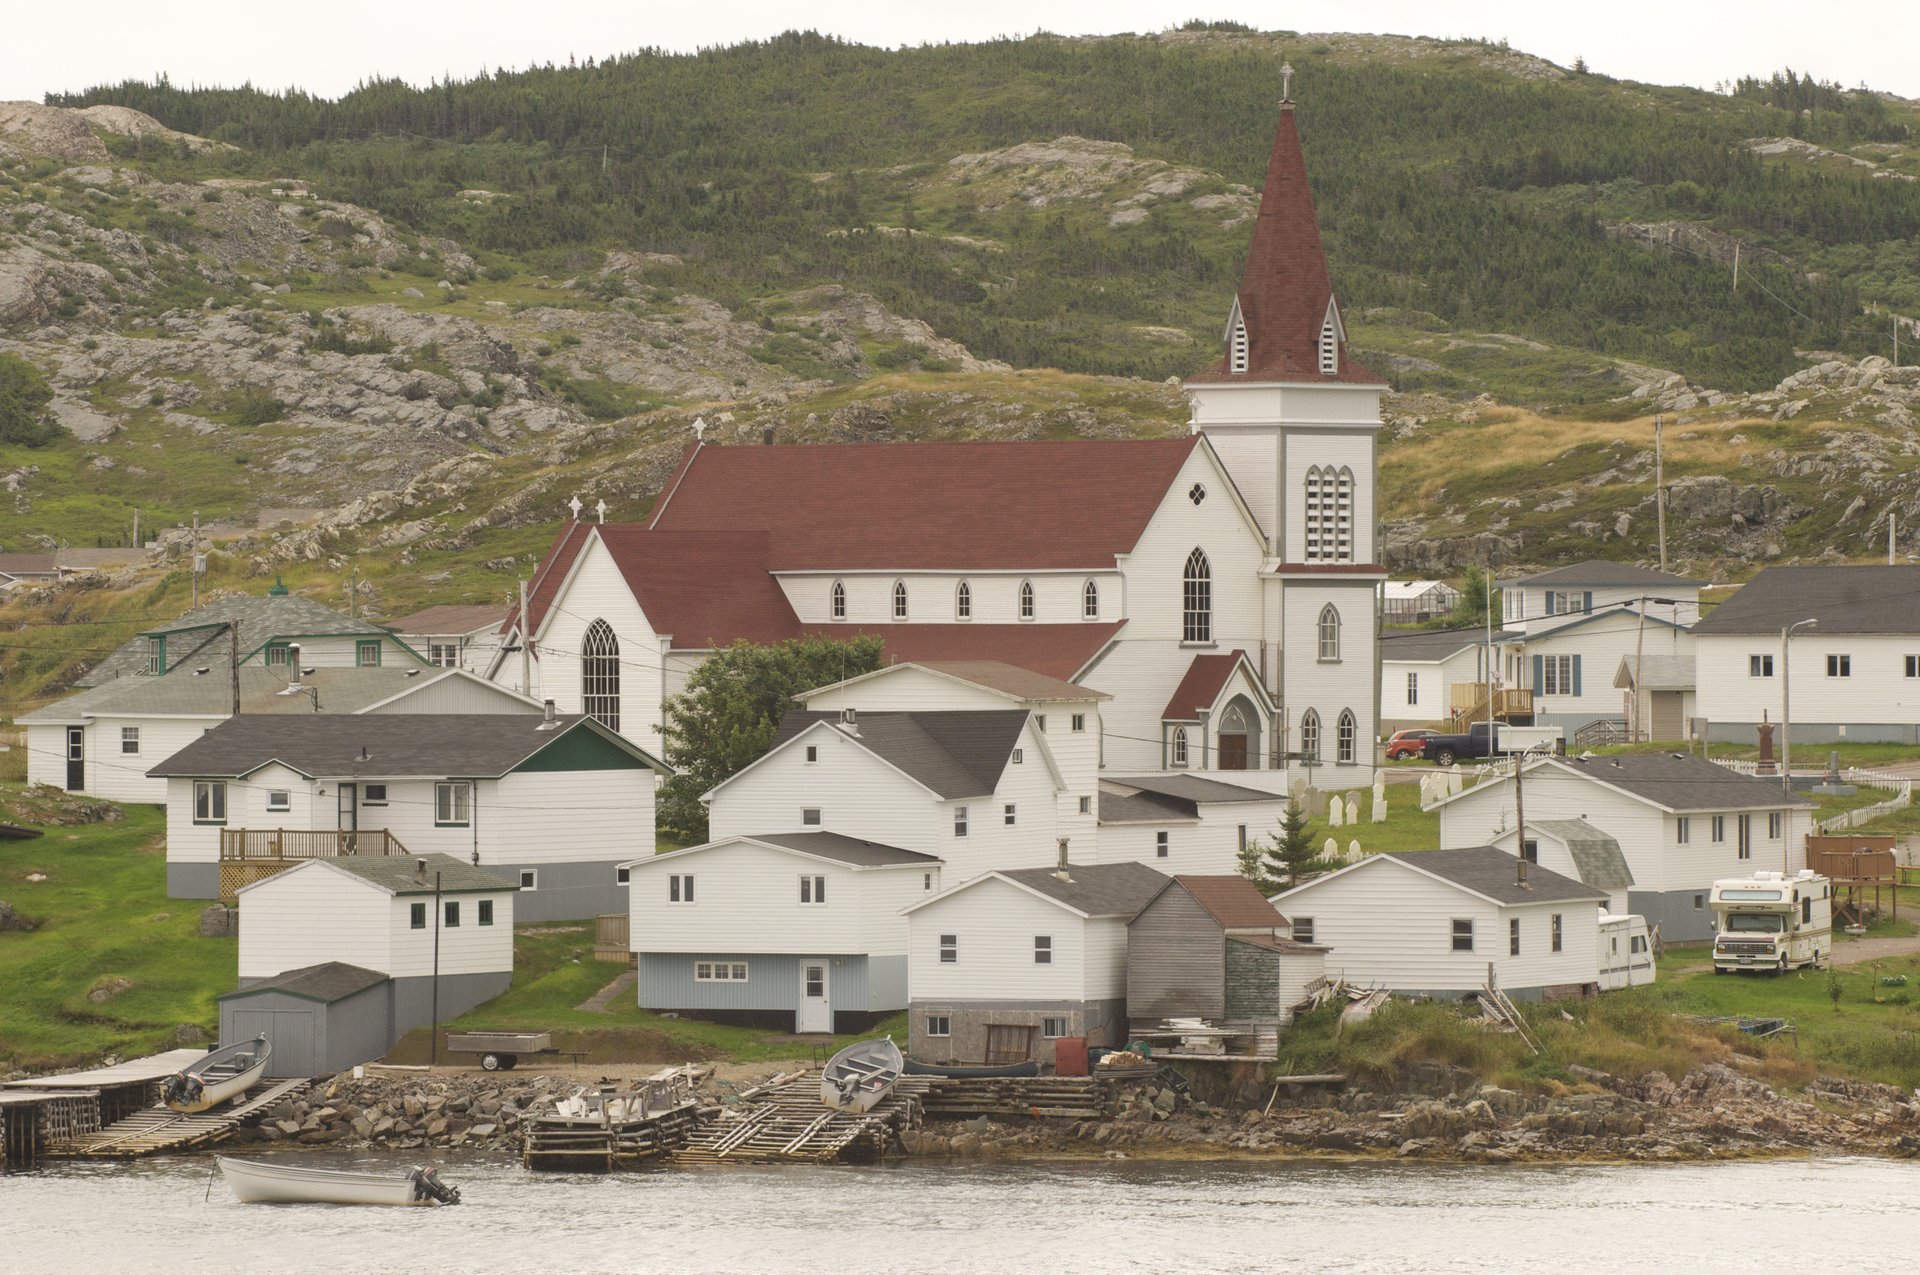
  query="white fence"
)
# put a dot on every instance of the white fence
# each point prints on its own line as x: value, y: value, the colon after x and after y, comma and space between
x: 1901, y: 785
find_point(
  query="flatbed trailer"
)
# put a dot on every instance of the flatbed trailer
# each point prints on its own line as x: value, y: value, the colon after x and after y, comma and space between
x: 502, y: 1051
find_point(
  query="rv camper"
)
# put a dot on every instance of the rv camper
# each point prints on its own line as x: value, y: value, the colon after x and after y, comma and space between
x: 1771, y: 921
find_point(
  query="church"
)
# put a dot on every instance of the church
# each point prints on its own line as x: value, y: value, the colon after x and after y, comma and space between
x: 1218, y: 589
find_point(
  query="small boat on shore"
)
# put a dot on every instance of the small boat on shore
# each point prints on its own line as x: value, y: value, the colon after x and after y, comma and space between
x: 859, y: 1076
x: 957, y: 1071
x: 224, y: 1073
x: 255, y: 1182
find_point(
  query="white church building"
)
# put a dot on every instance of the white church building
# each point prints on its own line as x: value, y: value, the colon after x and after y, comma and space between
x: 1219, y: 588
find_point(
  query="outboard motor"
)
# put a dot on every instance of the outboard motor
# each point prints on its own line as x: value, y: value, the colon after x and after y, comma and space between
x: 180, y: 1088
x: 428, y: 1186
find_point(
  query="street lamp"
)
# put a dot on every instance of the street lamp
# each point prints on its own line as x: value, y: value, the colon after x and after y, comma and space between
x: 1786, y: 762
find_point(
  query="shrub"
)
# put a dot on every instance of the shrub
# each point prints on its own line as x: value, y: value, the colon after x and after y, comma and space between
x: 24, y: 395
x: 257, y: 406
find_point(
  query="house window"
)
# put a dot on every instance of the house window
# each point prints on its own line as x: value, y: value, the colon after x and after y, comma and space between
x: 1078, y: 722
x: 1160, y: 847
x: 899, y: 599
x: 1040, y: 722
x: 1019, y: 756
x: 1196, y: 615
x: 1329, y: 634
x: 1839, y: 666
x: 813, y: 753
x: 366, y: 654
x: 680, y: 887
x: 452, y: 805
x: 129, y: 739
x: 963, y: 602
x: 1053, y: 1028
x: 1719, y: 829
x: 600, y: 674
x: 959, y: 821
x: 926, y: 880
x: 1346, y: 736
x: 1086, y: 805
x: 939, y: 1025
x: 1773, y: 826
x: 444, y: 654
x: 485, y: 907
x: 1090, y: 601
x: 417, y: 916
x: 1556, y: 932
x: 1010, y: 814
x: 1743, y: 835
x: 1026, y: 599
x: 276, y: 654
x: 1513, y: 936
x: 1759, y: 666
x: 837, y: 601
x: 156, y: 655
x: 1913, y: 666
x: 530, y: 878
x: 622, y: 875
x: 209, y: 801
x: 1413, y: 690
x: 1179, y: 746
x: 1463, y: 936
x: 949, y: 949
x: 373, y: 794
x: 1303, y: 929
x: 453, y: 914
x: 719, y: 971
x: 1043, y: 949
x: 813, y: 890
x: 1241, y: 839
x: 279, y: 800
x: 1556, y: 674
x: 1682, y: 830
x: 810, y: 817
x: 1310, y: 736
x: 1699, y: 902
x: 1565, y: 603
x: 1530, y: 850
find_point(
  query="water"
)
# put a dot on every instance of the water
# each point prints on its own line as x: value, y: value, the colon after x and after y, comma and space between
x: 157, y: 1218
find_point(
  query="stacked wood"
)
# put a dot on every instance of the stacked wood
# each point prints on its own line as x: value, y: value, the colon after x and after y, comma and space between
x: 583, y: 1144
x: 1038, y: 1097
x: 783, y: 1121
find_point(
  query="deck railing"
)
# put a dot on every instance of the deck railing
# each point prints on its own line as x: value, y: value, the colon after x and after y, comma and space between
x: 1469, y: 702
x: 242, y: 844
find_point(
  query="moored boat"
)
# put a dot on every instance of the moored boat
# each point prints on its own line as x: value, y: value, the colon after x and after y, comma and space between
x: 224, y: 1073
x: 859, y: 1076
x: 255, y: 1182
x: 958, y: 1071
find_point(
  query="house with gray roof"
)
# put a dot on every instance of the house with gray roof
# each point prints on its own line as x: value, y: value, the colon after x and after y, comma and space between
x: 1419, y: 670
x: 465, y: 636
x: 1183, y: 822
x: 1441, y: 923
x: 1852, y: 661
x: 1680, y: 823
x: 553, y: 803
x: 1005, y: 965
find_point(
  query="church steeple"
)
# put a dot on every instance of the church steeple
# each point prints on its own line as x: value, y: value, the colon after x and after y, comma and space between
x: 1285, y: 324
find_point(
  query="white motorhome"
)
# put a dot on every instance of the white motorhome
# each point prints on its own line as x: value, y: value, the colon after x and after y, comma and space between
x: 1771, y: 921
x: 1626, y: 951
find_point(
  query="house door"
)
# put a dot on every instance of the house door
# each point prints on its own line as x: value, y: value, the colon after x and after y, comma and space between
x: 816, y: 1007
x: 349, y: 817
x: 76, y: 758
x: 1233, y: 752
x: 1669, y: 722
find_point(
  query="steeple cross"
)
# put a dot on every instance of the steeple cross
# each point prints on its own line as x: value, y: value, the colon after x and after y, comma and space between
x: 576, y: 505
x: 1286, y: 81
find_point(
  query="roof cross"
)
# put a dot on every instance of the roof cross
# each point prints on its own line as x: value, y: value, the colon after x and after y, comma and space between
x: 1286, y: 81
x: 600, y: 510
x: 575, y: 505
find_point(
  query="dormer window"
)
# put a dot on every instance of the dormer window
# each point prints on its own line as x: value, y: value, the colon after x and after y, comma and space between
x: 156, y: 655
x: 1237, y: 344
x: 1329, y: 349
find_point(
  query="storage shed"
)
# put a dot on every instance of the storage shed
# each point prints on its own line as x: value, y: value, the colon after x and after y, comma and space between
x: 320, y: 1019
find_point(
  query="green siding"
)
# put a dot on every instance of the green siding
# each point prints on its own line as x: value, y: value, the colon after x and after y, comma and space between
x: 1253, y: 981
x: 580, y: 748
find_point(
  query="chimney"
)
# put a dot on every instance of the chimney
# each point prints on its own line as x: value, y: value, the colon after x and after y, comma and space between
x: 546, y: 717
x: 420, y: 871
x: 766, y: 436
x: 850, y: 720
x: 1060, y: 872
x: 293, y: 664
x: 364, y: 754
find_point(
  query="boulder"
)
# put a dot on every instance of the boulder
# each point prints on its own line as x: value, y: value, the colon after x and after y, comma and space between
x: 219, y: 922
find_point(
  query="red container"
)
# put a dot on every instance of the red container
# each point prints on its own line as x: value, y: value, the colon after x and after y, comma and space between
x: 1070, y: 1056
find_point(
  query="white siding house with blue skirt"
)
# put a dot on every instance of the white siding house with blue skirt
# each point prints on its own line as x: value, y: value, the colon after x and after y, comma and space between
x: 797, y: 931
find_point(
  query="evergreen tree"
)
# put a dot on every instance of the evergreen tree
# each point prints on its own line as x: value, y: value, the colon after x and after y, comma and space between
x: 24, y: 395
x: 1288, y: 859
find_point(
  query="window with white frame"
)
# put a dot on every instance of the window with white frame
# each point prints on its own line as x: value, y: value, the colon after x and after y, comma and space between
x: 1556, y: 675
x: 1077, y: 723
x: 1043, y: 949
x: 963, y: 601
x: 1010, y: 814
x: 1413, y: 690
x: 1913, y: 666
x: 373, y: 794
x: 719, y: 971
x: 209, y: 801
x: 452, y: 805
x: 1237, y: 345
x: 813, y: 753
x: 622, y: 875
x: 1196, y: 615
x: 1463, y: 934
x: 279, y: 800
x: 1565, y: 603
x: 1040, y: 722
x: 1682, y: 830
x: 1179, y: 752
x: 810, y: 816
x: 529, y: 878
x: 959, y: 821
x: 1346, y: 737
x: 1743, y: 835
x: 129, y: 739
x: 1303, y: 929
x: 1053, y: 1028
x: 949, y: 949
x: 366, y: 654
x: 837, y: 601
x: 1026, y: 599
x: 1719, y: 829
x: 1329, y: 348
x: 680, y: 887
x: 485, y: 909
x: 899, y: 599
x: 1556, y: 932
x: 813, y: 889
x: 1513, y: 936
x: 1086, y: 805
x: 600, y: 674
x: 1240, y: 838
x: 1329, y: 634
x: 1161, y: 848
x: 940, y: 1025
x: 444, y: 654
x: 1839, y: 666
x: 1773, y: 825
x: 1329, y: 514
x: 1759, y: 666
x: 1090, y: 601
x: 1310, y: 735
x: 1019, y: 756
x: 277, y: 653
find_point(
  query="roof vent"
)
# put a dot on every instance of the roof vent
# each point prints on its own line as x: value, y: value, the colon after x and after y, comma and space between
x: 548, y: 721
x: 293, y: 664
x: 850, y: 720
x: 1060, y: 872
x: 420, y: 871
x: 364, y: 754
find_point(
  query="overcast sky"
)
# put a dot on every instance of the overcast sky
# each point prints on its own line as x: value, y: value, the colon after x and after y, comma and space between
x: 328, y: 45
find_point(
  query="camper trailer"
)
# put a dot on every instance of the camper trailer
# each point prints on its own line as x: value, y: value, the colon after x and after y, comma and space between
x: 1626, y: 952
x: 1771, y: 921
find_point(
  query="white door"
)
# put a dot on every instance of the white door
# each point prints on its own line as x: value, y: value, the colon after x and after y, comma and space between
x: 816, y: 1009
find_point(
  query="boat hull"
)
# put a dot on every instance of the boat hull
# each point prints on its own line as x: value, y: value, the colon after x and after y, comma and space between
x: 859, y: 1076
x: 960, y: 1072
x: 214, y: 1094
x: 253, y: 1182
x: 214, y: 1079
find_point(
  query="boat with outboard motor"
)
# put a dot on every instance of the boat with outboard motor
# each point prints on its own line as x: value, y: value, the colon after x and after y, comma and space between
x: 859, y: 1076
x: 224, y: 1073
x: 256, y: 1182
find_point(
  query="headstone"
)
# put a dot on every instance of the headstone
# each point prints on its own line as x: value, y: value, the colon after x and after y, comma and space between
x: 1331, y: 851
x: 1335, y: 811
x: 1353, y: 852
x: 1353, y: 810
x: 1379, y: 806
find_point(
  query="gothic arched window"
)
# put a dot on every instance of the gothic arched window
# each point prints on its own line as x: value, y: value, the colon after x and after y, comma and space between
x: 1329, y: 633
x: 839, y: 601
x: 1026, y: 599
x: 600, y: 675
x: 1310, y: 735
x: 963, y: 602
x: 1090, y: 601
x: 1196, y: 612
x: 899, y: 599
x: 1179, y: 749
x: 1346, y: 733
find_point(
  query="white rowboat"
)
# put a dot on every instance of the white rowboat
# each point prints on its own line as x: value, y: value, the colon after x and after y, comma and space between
x: 256, y: 1183
x: 222, y: 1074
x: 859, y: 1076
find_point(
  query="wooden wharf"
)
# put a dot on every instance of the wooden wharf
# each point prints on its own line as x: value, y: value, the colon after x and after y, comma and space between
x: 158, y: 1130
x: 784, y: 1122
x: 1037, y: 1097
x: 32, y: 1119
x: 608, y: 1130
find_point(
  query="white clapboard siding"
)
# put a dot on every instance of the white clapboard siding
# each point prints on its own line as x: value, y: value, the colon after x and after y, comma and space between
x: 1878, y: 690
x: 1529, y: 612
x: 566, y: 816
x: 747, y: 899
x: 856, y: 793
x: 468, y: 948
x: 310, y: 915
x: 1601, y: 646
x: 595, y: 590
x: 933, y: 597
x: 995, y: 924
x: 1105, y: 964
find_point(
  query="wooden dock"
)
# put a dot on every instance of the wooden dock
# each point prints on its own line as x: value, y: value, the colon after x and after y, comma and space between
x: 1036, y: 1097
x: 157, y: 1130
x: 607, y: 1130
x: 33, y: 1119
x: 784, y: 1122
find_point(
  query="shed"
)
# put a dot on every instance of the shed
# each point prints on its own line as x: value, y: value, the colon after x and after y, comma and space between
x: 1211, y: 947
x: 320, y: 1019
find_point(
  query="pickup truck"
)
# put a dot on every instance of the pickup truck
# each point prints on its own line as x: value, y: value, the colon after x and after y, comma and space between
x: 1444, y: 750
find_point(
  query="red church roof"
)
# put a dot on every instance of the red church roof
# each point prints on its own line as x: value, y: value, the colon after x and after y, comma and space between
x: 1285, y: 290
x: 1070, y: 503
x: 1056, y: 650
x: 1201, y: 686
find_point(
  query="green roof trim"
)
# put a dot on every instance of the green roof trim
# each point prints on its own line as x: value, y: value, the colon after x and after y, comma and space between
x: 581, y: 747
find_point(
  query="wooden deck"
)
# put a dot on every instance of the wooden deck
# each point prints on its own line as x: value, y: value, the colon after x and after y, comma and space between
x: 784, y: 1122
x: 157, y: 1130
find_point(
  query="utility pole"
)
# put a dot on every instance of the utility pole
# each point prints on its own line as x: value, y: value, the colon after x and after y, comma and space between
x: 434, y: 1032
x: 136, y: 529
x: 194, y: 559
x: 1639, y: 668
x: 526, y: 639
x: 353, y: 589
x: 1520, y: 817
x: 1660, y: 489
x: 233, y: 653
x: 1736, y: 268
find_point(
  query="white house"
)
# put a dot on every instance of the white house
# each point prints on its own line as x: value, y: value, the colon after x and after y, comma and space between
x: 1004, y: 965
x: 1681, y: 822
x: 1534, y: 604
x: 800, y: 931
x: 1575, y: 848
x: 1416, y: 601
x: 1855, y: 668
x: 1437, y: 922
x: 555, y: 804
x: 463, y: 637
x: 380, y: 914
x: 1191, y: 824
x: 1419, y: 670
x: 1126, y: 565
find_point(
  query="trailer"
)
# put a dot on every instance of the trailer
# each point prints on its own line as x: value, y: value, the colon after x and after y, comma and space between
x: 1771, y: 921
x: 502, y: 1051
